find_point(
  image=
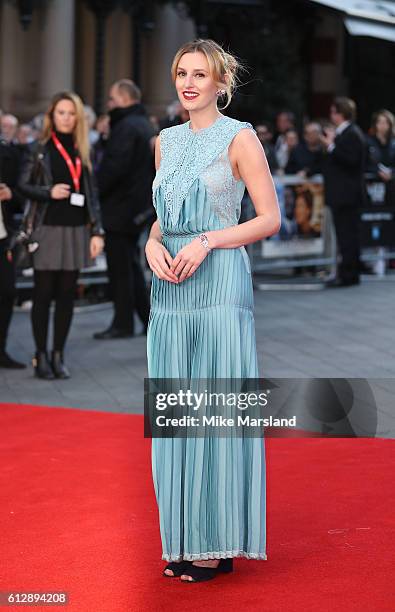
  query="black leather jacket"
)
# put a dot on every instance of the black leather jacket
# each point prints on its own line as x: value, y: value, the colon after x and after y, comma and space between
x: 9, y: 171
x: 40, y: 191
x: 376, y: 151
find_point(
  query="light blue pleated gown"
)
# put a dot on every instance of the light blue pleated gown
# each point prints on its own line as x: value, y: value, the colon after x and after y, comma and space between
x: 210, y: 491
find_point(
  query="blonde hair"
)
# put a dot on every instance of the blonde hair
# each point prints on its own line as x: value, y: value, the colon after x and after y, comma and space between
x: 223, y: 66
x: 129, y: 87
x: 80, y: 133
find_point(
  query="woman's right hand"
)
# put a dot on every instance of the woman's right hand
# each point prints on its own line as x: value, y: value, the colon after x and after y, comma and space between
x: 60, y: 191
x: 385, y: 176
x: 159, y: 260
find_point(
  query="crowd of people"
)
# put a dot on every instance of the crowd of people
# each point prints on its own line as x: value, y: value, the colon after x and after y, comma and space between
x: 290, y: 151
x: 82, y: 179
x: 353, y: 165
x: 77, y: 179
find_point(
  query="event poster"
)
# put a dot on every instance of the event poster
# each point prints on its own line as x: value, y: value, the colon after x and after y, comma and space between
x: 302, y: 207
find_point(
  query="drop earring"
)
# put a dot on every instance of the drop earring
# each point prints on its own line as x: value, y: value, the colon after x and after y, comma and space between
x: 220, y: 92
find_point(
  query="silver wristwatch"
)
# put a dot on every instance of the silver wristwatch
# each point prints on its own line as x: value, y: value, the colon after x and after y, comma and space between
x: 204, y: 241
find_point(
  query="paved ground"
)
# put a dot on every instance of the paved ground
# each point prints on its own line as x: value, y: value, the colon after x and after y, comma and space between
x: 345, y: 333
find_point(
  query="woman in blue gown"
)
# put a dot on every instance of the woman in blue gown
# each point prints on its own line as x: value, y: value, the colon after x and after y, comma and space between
x: 210, y: 490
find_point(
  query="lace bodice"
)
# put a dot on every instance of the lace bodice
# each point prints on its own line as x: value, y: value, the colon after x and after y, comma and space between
x: 188, y: 156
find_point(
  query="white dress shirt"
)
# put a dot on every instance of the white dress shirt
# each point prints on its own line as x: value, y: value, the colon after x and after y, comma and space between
x: 340, y: 128
x: 3, y: 231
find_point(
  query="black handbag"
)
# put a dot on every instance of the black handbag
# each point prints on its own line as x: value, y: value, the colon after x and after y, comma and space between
x: 24, y: 243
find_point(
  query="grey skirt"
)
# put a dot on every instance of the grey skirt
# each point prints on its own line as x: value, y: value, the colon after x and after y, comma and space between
x: 62, y: 248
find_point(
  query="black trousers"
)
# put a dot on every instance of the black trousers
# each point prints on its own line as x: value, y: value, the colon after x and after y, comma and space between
x: 346, y: 221
x: 7, y: 293
x: 127, y: 284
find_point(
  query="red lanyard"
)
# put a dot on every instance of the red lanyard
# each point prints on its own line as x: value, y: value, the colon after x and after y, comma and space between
x: 76, y: 170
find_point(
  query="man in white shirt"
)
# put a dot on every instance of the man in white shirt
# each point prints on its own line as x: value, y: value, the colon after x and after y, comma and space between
x: 8, y: 128
x: 9, y: 165
x: 3, y: 231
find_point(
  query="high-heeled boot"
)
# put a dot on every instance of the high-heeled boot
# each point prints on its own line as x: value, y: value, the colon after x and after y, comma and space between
x: 42, y: 367
x: 58, y: 366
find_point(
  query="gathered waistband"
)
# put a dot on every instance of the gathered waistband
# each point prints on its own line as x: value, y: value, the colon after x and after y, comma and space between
x: 182, y: 234
x: 198, y: 309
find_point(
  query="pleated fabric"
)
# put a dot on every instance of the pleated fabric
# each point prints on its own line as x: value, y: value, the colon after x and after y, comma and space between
x: 62, y: 247
x: 210, y: 491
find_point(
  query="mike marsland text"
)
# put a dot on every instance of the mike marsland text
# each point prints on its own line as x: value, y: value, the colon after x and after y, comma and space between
x: 220, y: 421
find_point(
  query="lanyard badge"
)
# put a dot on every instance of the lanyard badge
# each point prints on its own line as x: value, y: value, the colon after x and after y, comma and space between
x: 77, y: 199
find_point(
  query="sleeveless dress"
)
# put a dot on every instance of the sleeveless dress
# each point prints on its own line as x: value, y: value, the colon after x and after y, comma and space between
x: 210, y: 491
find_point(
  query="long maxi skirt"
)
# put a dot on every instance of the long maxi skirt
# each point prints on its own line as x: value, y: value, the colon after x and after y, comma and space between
x: 210, y: 491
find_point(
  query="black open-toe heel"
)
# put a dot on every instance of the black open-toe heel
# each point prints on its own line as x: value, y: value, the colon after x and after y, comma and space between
x: 177, y: 568
x: 200, y: 574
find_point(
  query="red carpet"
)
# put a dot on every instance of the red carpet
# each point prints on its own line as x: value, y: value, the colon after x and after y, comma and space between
x: 78, y: 514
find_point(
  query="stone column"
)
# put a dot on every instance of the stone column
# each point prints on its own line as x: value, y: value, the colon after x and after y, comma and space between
x: 11, y: 54
x: 57, y: 50
x: 171, y: 31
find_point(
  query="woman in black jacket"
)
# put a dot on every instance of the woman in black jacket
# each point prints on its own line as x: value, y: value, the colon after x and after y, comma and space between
x: 57, y: 176
x: 381, y: 152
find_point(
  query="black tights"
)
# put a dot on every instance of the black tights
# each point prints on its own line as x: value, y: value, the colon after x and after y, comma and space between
x: 59, y: 285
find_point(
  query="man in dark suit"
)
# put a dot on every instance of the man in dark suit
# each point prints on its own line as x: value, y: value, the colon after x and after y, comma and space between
x: 125, y: 178
x: 10, y: 201
x: 345, y: 190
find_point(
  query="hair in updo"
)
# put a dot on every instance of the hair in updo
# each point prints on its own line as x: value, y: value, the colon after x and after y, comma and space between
x: 221, y: 64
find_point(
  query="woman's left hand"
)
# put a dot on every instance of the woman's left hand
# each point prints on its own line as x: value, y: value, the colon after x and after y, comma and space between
x: 5, y: 192
x: 96, y: 246
x: 188, y: 259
